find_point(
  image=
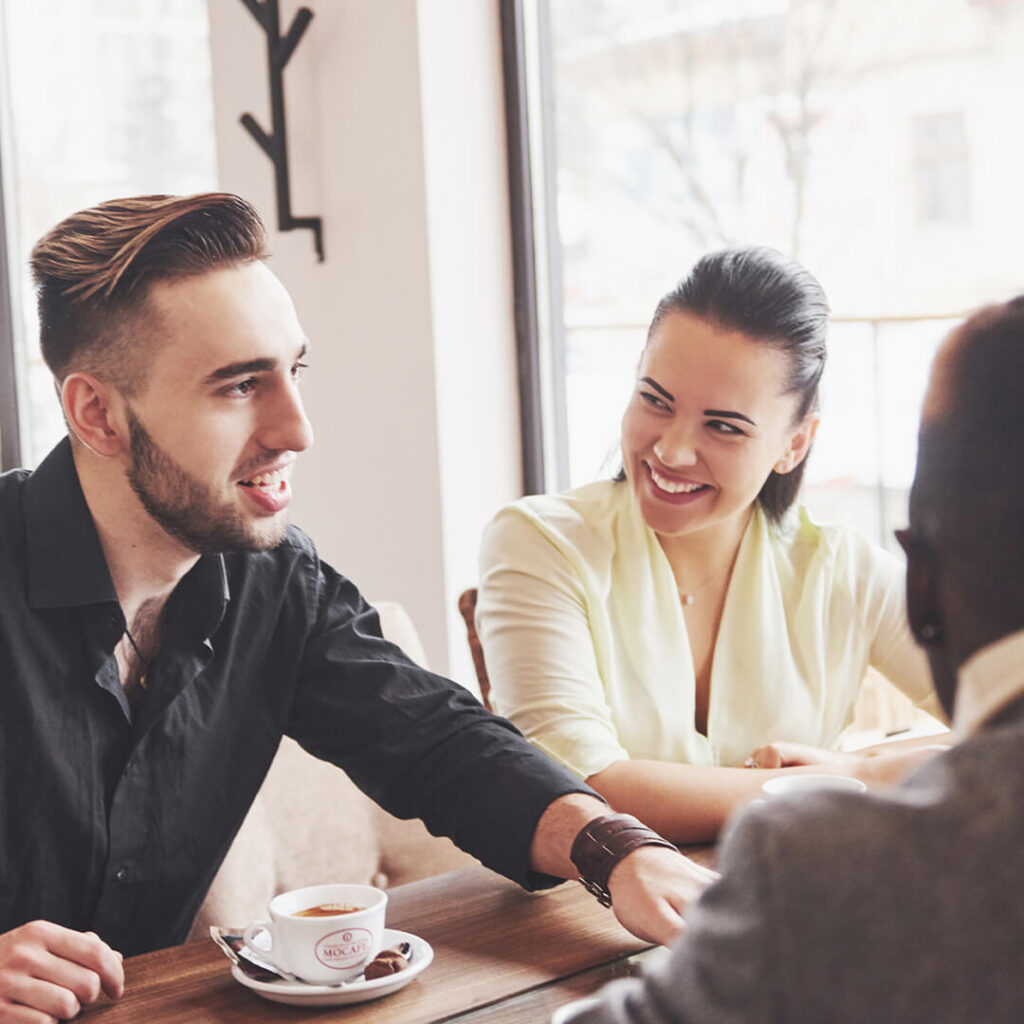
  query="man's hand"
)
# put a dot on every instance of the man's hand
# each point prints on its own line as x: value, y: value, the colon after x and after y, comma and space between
x: 651, y: 889
x: 48, y: 973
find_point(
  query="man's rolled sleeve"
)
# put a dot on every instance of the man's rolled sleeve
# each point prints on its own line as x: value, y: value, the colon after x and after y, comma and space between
x: 417, y: 743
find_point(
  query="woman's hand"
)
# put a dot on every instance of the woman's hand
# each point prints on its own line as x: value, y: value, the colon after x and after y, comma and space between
x: 790, y: 755
x: 882, y: 765
x: 884, y: 768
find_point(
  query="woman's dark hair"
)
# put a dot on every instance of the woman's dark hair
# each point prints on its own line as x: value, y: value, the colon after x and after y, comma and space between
x: 771, y: 298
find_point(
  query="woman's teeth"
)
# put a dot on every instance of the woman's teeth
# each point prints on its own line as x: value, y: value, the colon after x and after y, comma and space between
x: 672, y: 486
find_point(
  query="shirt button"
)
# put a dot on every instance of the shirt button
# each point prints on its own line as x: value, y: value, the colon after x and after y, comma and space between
x: 122, y: 874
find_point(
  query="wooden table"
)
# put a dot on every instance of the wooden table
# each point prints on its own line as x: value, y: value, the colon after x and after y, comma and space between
x: 500, y: 955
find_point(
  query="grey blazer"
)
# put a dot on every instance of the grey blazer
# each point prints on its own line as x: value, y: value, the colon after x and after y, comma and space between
x: 860, y: 907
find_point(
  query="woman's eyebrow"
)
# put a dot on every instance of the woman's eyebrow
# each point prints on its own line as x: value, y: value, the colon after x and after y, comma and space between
x: 725, y: 414
x: 657, y: 387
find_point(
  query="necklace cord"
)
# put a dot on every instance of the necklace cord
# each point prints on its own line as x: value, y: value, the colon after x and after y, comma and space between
x: 135, y: 647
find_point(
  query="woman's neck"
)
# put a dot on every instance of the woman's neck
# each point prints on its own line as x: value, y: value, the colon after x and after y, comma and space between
x: 702, y: 561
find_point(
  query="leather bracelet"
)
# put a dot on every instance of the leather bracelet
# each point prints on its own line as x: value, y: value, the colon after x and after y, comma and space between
x: 602, y: 843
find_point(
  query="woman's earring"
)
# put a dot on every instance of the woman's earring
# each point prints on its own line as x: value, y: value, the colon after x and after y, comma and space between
x: 930, y: 633
x: 781, y: 466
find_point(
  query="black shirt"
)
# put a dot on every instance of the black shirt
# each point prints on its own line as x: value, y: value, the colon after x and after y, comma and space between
x: 115, y: 818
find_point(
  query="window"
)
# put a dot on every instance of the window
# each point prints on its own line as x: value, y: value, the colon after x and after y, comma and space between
x: 98, y: 98
x: 940, y: 168
x: 862, y: 137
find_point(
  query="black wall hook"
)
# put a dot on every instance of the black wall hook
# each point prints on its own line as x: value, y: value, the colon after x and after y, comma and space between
x: 275, y: 145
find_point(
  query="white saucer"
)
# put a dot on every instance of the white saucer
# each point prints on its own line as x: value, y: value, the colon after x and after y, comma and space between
x: 298, y: 993
x: 567, y: 1013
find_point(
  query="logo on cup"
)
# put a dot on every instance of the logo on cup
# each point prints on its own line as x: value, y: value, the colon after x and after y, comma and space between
x: 346, y: 948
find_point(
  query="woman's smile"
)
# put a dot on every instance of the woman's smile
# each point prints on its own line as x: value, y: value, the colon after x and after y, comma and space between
x: 677, y: 491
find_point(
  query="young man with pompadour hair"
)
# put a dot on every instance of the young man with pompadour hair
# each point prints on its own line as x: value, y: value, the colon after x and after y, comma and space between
x: 162, y: 626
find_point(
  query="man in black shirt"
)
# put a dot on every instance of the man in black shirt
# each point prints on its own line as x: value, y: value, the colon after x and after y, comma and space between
x: 161, y: 627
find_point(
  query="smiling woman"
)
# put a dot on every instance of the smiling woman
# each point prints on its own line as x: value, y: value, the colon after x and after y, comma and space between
x: 653, y: 631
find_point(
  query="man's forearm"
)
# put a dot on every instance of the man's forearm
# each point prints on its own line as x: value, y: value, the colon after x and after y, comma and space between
x: 647, y: 885
x: 558, y: 827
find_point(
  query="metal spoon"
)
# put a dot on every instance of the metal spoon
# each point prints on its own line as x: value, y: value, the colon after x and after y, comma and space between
x: 246, y: 959
x: 254, y: 966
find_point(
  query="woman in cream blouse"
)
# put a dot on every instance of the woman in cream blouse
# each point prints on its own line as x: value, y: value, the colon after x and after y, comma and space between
x: 651, y: 632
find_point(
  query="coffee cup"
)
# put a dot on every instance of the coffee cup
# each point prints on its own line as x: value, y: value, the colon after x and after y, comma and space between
x: 790, y: 785
x: 323, y: 934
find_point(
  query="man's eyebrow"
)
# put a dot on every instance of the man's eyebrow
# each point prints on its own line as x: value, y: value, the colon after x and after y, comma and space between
x: 657, y: 387
x: 725, y: 414
x: 240, y: 369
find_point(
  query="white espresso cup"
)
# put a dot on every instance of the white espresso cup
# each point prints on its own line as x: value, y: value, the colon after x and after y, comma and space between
x: 325, y: 948
x: 790, y: 785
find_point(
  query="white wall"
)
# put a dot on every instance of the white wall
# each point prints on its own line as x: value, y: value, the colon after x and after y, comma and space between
x: 471, y: 281
x: 396, y: 140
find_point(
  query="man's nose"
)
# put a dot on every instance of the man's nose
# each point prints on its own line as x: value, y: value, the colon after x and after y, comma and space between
x: 677, y: 445
x: 287, y: 427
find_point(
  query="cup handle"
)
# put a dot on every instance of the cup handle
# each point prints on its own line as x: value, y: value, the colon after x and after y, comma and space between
x: 254, y: 929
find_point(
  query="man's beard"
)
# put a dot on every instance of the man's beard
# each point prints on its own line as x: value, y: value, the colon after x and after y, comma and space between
x: 185, y: 507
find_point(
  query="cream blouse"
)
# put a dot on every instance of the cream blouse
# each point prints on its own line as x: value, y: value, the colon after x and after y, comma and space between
x: 587, y: 649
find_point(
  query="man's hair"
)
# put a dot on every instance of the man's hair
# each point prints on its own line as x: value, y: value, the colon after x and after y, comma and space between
x: 94, y: 269
x: 968, y: 493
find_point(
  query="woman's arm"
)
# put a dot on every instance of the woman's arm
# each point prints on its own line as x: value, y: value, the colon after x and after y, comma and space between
x: 689, y: 803
x: 533, y: 616
x: 883, y: 764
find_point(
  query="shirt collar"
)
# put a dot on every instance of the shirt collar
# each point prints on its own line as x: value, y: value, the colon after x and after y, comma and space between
x: 988, y: 680
x: 66, y: 564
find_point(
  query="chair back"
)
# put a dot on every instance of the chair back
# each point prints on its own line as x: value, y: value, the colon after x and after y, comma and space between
x: 467, y: 606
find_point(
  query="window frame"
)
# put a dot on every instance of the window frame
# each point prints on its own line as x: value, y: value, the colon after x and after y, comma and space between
x: 536, y: 246
x: 10, y: 430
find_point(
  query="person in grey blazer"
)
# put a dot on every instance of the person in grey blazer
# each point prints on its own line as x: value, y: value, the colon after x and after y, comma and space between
x: 906, y: 905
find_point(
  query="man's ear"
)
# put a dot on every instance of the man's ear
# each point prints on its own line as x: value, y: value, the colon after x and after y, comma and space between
x: 923, y: 608
x: 95, y: 412
x: 925, y: 615
x: 799, y: 444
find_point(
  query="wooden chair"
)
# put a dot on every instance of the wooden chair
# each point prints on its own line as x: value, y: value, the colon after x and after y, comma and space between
x: 467, y: 606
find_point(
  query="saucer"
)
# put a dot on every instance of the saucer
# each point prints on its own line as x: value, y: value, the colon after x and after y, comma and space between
x: 567, y: 1013
x: 299, y: 993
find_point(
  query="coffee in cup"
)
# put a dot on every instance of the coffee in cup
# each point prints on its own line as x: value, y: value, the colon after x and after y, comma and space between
x: 327, y: 910
x: 323, y: 934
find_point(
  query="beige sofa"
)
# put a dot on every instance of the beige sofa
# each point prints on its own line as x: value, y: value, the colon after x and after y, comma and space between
x: 310, y: 824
